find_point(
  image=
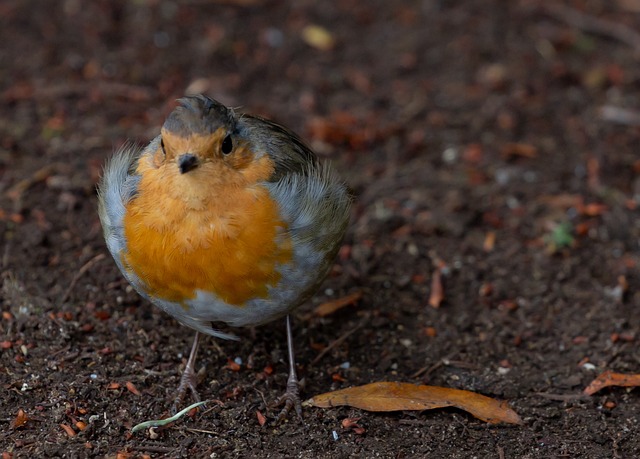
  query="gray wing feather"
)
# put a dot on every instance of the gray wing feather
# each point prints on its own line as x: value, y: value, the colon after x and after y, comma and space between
x: 117, y: 187
x: 316, y: 205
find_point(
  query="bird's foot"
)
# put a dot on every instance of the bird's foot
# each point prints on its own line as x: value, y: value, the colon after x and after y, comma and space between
x: 291, y: 400
x: 189, y: 379
x: 188, y: 383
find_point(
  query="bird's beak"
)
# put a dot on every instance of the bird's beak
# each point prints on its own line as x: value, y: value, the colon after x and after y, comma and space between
x: 187, y: 162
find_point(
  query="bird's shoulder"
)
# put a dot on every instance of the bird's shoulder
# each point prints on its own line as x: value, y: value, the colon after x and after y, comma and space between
x: 289, y: 153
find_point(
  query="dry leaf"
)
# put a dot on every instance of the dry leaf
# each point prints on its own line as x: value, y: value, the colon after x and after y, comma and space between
x: 437, y: 291
x: 395, y: 396
x: 592, y: 209
x: 431, y: 332
x: 562, y: 201
x: 609, y: 378
x: 348, y: 423
x: 318, y: 37
x: 330, y: 307
x: 20, y: 419
x: 68, y: 429
x: 131, y: 388
x: 489, y: 241
x: 352, y: 424
x: 261, y: 419
x: 473, y: 153
x: 519, y: 149
x: 233, y: 365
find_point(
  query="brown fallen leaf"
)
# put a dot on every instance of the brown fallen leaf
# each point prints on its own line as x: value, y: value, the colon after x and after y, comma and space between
x: 348, y: 423
x: 318, y: 37
x: 68, y: 430
x: 592, y: 209
x: 330, y: 307
x: 396, y: 396
x: 437, y: 291
x: 20, y: 419
x: 609, y: 378
x: 562, y: 201
x: 523, y: 150
x: 232, y: 365
x: 489, y: 241
x: 261, y: 419
x: 352, y: 424
x: 132, y: 388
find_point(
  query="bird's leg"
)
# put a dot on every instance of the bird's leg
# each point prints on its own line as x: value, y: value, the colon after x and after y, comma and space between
x: 291, y: 398
x: 189, y: 379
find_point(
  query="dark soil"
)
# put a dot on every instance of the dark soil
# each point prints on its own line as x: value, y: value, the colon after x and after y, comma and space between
x: 454, y: 122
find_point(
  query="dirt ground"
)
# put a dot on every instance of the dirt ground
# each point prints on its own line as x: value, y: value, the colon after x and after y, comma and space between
x: 496, y: 140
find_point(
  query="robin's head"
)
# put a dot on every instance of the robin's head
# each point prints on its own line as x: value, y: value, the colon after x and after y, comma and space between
x: 203, y: 145
x: 199, y: 130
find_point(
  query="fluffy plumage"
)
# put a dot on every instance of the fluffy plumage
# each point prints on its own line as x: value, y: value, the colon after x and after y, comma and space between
x: 243, y: 238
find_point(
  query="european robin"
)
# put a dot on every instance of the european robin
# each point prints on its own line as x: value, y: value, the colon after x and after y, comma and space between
x: 223, y: 217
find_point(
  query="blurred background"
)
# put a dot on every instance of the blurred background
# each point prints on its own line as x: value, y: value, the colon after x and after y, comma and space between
x: 493, y: 149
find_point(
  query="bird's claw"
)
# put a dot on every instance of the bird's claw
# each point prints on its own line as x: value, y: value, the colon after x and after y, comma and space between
x: 290, y: 399
x: 188, y: 382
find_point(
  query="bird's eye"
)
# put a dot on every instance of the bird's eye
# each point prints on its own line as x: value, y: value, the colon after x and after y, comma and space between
x: 227, y: 145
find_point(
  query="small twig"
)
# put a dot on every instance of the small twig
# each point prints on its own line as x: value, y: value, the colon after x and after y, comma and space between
x: 219, y: 404
x: 189, y: 429
x: 460, y: 364
x: 79, y: 274
x: 16, y: 191
x: 164, y: 422
x: 334, y: 344
x: 588, y: 23
x: 426, y: 371
x: 263, y: 399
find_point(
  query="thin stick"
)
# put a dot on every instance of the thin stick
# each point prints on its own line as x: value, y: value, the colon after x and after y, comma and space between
x: 79, y: 274
x: 334, y: 344
x: 593, y: 24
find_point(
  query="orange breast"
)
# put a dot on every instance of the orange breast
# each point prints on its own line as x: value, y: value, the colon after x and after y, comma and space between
x: 231, y: 246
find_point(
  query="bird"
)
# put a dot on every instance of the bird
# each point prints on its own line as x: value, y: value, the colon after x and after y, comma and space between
x: 223, y: 217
